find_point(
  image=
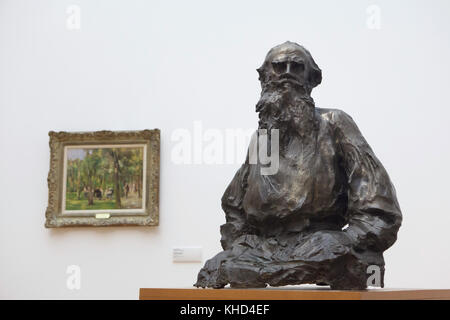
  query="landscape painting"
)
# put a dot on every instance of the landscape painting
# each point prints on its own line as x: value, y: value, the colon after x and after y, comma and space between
x: 104, y: 177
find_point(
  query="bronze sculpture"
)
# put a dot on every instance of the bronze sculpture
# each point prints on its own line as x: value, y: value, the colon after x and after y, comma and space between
x: 329, y: 211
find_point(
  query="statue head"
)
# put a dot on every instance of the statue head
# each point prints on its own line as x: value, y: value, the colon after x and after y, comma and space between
x: 290, y: 63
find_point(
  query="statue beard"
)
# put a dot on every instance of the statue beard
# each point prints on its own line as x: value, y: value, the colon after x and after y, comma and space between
x: 288, y: 108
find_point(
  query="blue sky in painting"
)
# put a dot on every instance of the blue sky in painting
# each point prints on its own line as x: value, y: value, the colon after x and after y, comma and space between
x: 73, y: 154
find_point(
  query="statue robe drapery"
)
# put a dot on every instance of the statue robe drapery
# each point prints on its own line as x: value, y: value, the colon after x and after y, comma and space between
x: 327, y: 214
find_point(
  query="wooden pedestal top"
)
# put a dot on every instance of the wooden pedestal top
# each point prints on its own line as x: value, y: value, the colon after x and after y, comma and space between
x: 291, y: 294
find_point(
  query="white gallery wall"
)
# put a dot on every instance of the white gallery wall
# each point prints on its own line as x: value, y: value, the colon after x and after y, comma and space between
x: 132, y: 65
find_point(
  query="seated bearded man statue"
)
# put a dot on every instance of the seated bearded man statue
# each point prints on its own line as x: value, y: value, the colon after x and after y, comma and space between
x: 330, y: 210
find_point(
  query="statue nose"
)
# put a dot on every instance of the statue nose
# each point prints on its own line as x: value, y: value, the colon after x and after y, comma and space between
x: 288, y: 67
x: 287, y: 74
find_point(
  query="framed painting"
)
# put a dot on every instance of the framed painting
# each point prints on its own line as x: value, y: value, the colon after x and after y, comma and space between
x: 103, y: 178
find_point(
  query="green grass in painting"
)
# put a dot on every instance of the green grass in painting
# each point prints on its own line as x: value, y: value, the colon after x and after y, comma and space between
x: 72, y: 203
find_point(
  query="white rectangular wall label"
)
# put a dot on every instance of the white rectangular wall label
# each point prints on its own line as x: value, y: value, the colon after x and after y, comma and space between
x: 102, y: 216
x: 187, y: 254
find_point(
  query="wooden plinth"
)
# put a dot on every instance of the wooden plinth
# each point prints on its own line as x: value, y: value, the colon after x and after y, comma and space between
x: 291, y: 294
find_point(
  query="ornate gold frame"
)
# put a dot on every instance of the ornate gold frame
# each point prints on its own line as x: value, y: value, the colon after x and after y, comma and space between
x: 58, y: 140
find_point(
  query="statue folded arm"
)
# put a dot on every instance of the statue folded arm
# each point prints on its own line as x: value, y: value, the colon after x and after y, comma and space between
x: 373, y: 211
x: 235, y: 225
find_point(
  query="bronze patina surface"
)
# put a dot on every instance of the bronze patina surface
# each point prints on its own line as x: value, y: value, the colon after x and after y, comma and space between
x: 329, y: 211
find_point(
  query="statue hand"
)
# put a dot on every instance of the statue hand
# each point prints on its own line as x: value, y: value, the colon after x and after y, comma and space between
x: 323, y: 245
